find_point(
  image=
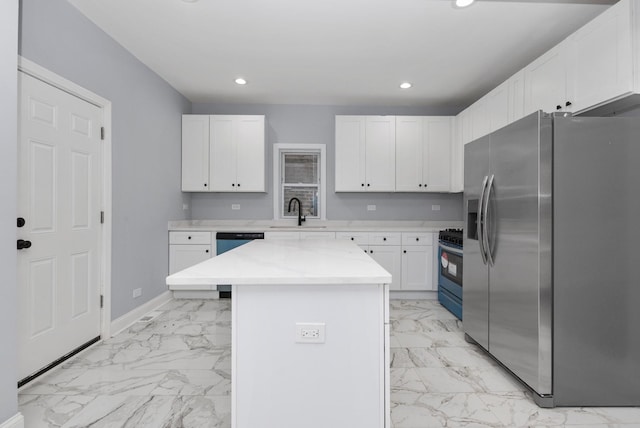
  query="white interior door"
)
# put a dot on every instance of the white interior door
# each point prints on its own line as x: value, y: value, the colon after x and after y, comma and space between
x: 59, y: 196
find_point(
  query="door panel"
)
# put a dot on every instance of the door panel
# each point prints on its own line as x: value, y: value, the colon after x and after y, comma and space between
x: 519, y: 234
x: 475, y: 311
x: 250, y: 151
x: 223, y: 154
x: 60, y: 182
x: 381, y: 153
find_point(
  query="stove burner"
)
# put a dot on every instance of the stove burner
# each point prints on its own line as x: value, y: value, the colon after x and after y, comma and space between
x: 452, y: 236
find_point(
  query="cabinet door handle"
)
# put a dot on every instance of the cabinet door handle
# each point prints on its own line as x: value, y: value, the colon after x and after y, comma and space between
x: 425, y: 185
x: 206, y: 251
x: 22, y: 244
x: 188, y: 237
x: 419, y: 185
x: 371, y: 251
x: 568, y: 103
x: 558, y: 107
x: 362, y: 184
x: 205, y: 184
x: 384, y: 239
x: 352, y: 238
x: 405, y: 251
x: 233, y: 184
x: 368, y: 184
x: 417, y: 239
x: 21, y: 222
x: 238, y: 184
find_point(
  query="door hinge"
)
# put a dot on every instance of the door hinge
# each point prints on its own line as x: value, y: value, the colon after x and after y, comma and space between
x: 101, y: 301
x: 101, y: 217
x: 102, y: 132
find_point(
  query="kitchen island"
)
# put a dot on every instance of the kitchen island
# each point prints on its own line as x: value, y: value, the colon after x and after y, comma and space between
x: 310, y: 333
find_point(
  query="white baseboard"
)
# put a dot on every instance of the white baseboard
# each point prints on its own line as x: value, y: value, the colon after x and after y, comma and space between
x: 413, y: 295
x: 16, y: 421
x: 129, y: 318
x: 196, y: 294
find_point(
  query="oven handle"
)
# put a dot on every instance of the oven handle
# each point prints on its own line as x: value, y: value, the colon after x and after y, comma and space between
x: 454, y: 250
x: 481, y: 221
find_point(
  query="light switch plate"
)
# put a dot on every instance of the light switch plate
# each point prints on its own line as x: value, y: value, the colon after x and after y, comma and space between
x: 235, y: 206
x: 371, y: 207
x: 435, y: 207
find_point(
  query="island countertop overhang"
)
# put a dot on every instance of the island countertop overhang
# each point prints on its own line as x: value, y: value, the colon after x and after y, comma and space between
x: 297, y: 261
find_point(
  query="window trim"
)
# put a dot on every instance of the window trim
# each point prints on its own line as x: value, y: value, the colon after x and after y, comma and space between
x: 299, y: 148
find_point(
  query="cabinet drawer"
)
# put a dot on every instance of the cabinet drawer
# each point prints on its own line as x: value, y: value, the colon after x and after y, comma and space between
x: 418, y: 238
x: 189, y: 237
x: 317, y: 235
x: 360, y: 238
x: 282, y: 235
x: 385, y: 238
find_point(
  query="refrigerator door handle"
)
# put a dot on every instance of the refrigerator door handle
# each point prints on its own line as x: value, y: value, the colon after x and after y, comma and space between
x: 485, y: 222
x: 481, y: 220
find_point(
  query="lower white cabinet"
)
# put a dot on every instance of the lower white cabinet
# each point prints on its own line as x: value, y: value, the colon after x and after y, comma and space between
x: 389, y: 257
x: 417, y: 262
x: 188, y: 248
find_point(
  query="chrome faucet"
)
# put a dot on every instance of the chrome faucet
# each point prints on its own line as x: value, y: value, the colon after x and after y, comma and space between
x: 300, y: 217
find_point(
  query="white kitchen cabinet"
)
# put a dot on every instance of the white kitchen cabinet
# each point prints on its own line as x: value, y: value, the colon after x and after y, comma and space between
x: 516, y: 96
x: 389, y: 257
x: 383, y: 247
x: 601, y: 58
x: 546, y: 85
x: 365, y: 153
x: 423, y: 153
x: 480, y: 118
x: 417, y: 268
x: 417, y: 262
x: 188, y: 248
x: 498, y: 106
x: 237, y: 153
x: 223, y: 153
x: 195, y: 153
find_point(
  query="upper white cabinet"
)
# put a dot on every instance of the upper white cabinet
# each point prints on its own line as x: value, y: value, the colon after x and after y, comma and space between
x: 223, y: 153
x: 365, y: 153
x: 195, y: 153
x: 601, y: 58
x: 546, y: 82
x: 237, y: 153
x: 423, y: 153
x: 516, y: 96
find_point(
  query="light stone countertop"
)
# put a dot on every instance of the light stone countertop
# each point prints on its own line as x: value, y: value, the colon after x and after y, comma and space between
x: 299, y: 261
x: 311, y: 225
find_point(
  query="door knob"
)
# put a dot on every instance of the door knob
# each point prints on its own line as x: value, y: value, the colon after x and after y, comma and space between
x: 22, y: 244
x: 21, y: 222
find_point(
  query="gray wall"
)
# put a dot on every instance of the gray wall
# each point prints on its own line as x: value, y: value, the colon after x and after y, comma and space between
x: 146, y: 139
x: 316, y: 125
x: 8, y: 207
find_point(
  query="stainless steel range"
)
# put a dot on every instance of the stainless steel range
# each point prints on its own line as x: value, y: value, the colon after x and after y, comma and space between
x: 450, y: 270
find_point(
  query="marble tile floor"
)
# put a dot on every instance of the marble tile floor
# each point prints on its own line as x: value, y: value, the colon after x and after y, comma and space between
x: 175, y: 371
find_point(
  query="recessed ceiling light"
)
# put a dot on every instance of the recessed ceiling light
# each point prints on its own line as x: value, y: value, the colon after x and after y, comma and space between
x: 464, y: 3
x: 241, y: 81
x: 405, y: 85
x: 189, y: 1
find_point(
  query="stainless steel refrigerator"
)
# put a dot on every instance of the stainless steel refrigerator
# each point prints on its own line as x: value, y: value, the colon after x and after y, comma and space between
x: 552, y: 256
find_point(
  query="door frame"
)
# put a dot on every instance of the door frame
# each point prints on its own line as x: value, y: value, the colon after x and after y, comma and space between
x: 53, y: 79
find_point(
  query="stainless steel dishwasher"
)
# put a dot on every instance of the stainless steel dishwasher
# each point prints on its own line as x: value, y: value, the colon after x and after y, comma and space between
x: 227, y: 241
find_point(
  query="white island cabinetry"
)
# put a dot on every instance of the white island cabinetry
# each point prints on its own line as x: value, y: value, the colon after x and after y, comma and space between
x: 310, y: 331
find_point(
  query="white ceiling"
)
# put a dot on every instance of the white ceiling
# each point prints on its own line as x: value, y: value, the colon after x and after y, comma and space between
x: 337, y: 52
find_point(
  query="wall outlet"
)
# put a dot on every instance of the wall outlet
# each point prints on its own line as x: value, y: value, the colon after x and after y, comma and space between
x: 310, y: 332
x: 137, y: 292
x: 371, y: 207
x: 435, y: 207
x: 235, y: 206
x: 185, y: 207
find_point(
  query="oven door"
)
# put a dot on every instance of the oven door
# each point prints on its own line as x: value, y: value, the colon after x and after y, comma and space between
x: 450, y: 269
